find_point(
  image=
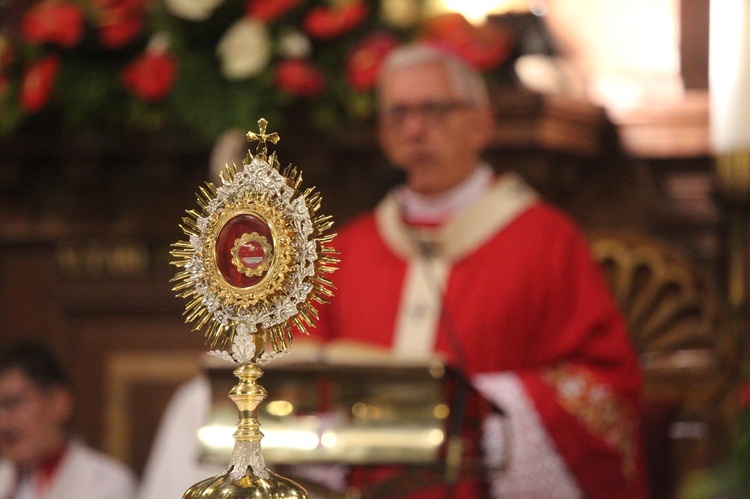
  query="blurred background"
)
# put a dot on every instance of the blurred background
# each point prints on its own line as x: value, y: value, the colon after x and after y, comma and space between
x: 113, y: 112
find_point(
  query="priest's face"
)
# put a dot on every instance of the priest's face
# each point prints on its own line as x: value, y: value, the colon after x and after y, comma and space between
x: 32, y: 419
x: 429, y: 129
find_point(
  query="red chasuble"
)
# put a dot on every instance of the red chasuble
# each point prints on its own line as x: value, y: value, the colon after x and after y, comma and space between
x: 527, y: 298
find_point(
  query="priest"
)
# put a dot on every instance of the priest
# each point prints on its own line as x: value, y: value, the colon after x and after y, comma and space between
x: 473, y: 267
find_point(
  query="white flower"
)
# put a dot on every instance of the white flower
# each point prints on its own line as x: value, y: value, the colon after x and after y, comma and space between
x: 193, y: 10
x: 159, y: 43
x: 294, y: 44
x: 244, y: 49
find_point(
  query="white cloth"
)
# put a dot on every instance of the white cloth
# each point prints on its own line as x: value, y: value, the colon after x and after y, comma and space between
x: 420, y: 309
x: 534, y: 466
x: 82, y: 473
x: 174, y: 464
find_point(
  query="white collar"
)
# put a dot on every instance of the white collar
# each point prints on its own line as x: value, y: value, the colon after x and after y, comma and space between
x: 436, y: 209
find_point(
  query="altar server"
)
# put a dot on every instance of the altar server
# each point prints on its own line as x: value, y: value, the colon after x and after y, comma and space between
x: 39, y: 459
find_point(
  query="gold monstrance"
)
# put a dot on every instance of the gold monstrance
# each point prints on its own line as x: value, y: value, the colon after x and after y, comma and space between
x: 253, y: 263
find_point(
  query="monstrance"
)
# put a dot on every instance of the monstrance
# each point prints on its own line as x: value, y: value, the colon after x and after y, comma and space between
x: 254, y: 261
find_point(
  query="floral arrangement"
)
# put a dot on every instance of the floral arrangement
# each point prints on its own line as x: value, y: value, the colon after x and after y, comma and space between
x: 209, y: 65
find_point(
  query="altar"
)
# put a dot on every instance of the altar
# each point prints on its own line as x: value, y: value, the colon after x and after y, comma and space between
x: 359, y: 417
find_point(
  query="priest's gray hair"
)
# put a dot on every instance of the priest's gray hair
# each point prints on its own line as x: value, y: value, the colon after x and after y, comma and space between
x: 468, y: 82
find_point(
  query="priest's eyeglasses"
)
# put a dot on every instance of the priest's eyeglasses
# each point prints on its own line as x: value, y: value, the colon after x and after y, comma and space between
x: 430, y: 111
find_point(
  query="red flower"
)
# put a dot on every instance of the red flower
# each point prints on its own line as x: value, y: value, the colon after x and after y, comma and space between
x: 151, y: 76
x: 117, y: 33
x: 120, y: 21
x: 299, y: 77
x: 483, y: 47
x: 363, y: 63
x: 269, y: 10
x: 53, y: 22
x: 325, y: 23
x: 38, y: 81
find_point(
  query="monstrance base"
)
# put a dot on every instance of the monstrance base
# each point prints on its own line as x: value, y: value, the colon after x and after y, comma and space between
x: 247, y: 487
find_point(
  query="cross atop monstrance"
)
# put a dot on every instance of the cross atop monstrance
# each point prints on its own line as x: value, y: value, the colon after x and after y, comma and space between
x: 262, y: 138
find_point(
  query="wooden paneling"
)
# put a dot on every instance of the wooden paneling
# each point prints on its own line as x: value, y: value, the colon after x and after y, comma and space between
x: 138, y: 380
